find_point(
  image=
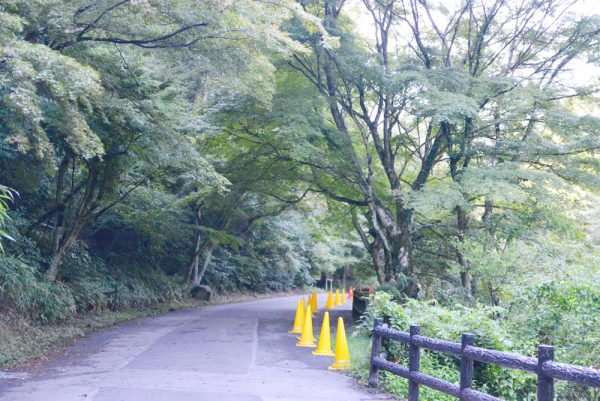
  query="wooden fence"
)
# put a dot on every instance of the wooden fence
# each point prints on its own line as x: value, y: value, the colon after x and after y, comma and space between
x: 543, y: 366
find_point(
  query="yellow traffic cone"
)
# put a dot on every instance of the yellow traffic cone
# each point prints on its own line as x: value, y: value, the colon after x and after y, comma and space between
x: 342, y: 356
x: 311, y: 303
x: 315, y: 304
x: 343, y: 295
x: 338, y: 301
x: 324, y: 347
x: 307, y: 339
x: 298, y: 319
x: 329, y: 303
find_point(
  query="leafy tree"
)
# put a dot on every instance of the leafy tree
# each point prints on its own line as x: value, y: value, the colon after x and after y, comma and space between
x: 462, y: 89
x: 82, y: 103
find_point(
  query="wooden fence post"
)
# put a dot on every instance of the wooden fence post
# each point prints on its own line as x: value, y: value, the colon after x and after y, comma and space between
x: 414, y: 361
x: 375, y: 351
x: 545, y: 384
x: 466, y: 364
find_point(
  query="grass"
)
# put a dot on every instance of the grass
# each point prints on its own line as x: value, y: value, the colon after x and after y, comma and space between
x: 360, y: 351
x: 359, y: 346
x: 23, y: 340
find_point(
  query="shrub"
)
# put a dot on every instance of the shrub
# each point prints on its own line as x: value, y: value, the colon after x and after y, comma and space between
x: 22, y: 290
x: 448, y: 324
x: 565, y: 314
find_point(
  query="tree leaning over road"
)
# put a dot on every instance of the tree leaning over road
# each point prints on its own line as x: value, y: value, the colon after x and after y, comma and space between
x: 81, y: 103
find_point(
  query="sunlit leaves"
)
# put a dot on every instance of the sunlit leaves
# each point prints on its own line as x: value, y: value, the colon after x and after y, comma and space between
x: 46, y: 94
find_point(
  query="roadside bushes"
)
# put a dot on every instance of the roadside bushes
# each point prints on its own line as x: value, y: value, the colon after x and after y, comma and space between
x: 36, y: 315
x: 123, y: 271
x: 564, y: 314
x: 123, y: 288
x: 23, y: 290
x: 448, y: 324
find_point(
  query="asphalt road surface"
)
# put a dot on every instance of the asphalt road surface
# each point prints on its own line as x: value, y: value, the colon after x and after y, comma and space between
x: 239, y: 352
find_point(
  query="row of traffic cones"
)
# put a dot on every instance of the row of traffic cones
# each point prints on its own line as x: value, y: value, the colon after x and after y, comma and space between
x: 303, y: 326
x: 340, y: 299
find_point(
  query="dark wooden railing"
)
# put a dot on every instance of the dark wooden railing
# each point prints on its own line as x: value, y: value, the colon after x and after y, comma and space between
x: 543, y: 366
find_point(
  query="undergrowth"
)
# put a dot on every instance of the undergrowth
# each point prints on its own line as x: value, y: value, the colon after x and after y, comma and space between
x: 494, y: 328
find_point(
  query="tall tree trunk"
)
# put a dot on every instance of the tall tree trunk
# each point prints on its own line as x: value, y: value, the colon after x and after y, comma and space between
x: 374, y: 248
x: 487, y: 217
x: 465, y: 275
x: 65, y: 243
x: 207, y: 259
x: 193, y: 265
x: 388, y: 269
x: 60, y: 213
x: 405, y: 245
x: 66, y: 232
x: 404, y: 271
x: 458, y: 152
x: 378, y: 264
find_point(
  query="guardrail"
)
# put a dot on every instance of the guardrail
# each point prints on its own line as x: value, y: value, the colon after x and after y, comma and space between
x: 543, y: 366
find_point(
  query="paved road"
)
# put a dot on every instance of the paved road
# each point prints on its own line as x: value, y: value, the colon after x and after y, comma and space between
x: 238, y: 352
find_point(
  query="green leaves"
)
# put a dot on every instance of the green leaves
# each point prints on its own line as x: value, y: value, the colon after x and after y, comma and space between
x: 10, y: 25
x: 448, y: 323
x: 437, y: 200
x: 6, y: 195
x: 46, y: 100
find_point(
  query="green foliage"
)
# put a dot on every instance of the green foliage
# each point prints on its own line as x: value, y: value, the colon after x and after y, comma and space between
x: 270, y: 142
x: 6, y: 195
x: 42, y: 106
x: 448, y: 324
x: 23, y: 290
x: 82, y: 291
x: 277, y: 255
x: 87, y: 283
x: 564, y: 314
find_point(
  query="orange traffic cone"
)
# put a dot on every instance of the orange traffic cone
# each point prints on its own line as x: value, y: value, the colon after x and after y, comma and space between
x: 298, y: 319
x: 307, y: 338
x: 324, y: 347
x: 329, y: 303
x: 342, y: 356
x: 343, y: 295
x: 351, y: 293
x: 338, y: 301
x: 315, y: 303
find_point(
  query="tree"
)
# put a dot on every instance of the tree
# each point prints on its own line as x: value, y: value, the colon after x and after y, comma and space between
x: 427, y: 109
x: 82, y: 103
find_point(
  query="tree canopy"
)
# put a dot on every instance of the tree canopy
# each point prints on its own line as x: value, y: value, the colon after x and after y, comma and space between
x: 443, y: 150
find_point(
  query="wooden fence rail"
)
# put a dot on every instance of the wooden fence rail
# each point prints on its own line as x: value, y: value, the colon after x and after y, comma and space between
x: 543, y: 366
